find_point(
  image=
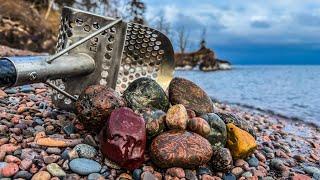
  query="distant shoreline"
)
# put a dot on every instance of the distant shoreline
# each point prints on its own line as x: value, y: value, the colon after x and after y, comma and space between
x: 268, y: 112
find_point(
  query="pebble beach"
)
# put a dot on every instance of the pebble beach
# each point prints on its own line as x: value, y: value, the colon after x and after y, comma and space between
x: 38, y: 141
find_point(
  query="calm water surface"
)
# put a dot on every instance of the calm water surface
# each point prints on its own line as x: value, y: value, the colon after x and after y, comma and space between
x: 293, y: 91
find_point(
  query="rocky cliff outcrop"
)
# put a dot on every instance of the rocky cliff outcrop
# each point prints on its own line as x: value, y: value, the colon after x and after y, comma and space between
x: 204, y: 58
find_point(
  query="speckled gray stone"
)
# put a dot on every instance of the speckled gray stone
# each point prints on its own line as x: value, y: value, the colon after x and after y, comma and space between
x: 85, y: 151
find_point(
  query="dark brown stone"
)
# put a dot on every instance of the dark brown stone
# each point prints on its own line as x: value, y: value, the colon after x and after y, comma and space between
x: 95, y: 105
x: 187, y: 93
x: 221, y: 160
x: 155, y: 122
x: 123, y: 139
x: 178, y: 148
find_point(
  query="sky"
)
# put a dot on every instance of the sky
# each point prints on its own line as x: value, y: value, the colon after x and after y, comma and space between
x: 247, y: 31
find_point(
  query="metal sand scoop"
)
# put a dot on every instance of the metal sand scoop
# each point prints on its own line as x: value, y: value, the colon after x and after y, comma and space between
x: 91, y: 50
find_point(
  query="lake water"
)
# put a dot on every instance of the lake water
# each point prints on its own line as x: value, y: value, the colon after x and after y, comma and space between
x: 292, y: 91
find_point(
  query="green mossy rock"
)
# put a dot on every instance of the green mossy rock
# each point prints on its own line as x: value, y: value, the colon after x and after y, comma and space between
x: 145, y: 93
x: 218, y: 131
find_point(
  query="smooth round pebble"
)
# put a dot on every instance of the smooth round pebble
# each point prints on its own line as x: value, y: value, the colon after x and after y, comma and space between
x: 253, y: 162
x: 84, y: 166
x: 41, y: 175
x: 229, y: 176
x: 56, y: 170
x: 23, y: 174
x: 85, y: 151
x: 136, y: 174
x: 247, y: 174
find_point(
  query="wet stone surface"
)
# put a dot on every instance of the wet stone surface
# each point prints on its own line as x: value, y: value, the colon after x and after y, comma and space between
x: 145, y: 93
x: 34, y: 135
x: 123, y: 139
x: 95, y: 105
x: 179, y: 148
x: 185, y: 92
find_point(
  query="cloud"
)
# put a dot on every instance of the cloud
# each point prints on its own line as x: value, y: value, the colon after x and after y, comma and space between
x: 308, y: 19
x: 235, y: 23
x: 260, y: 24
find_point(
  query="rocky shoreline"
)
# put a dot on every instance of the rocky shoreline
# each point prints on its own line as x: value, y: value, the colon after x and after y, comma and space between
x: 40, y: 141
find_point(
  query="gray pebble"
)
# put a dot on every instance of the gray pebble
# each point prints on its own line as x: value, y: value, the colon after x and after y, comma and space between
x: 311, y: 170
x: 247, y: 174
x: 56, y: 151
x: 95, y: 176
x: 84, y: 166
x: 23, y: 174
x: 253, y: 162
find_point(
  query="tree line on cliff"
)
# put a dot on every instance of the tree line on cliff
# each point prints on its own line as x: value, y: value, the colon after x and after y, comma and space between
x: 33, y: 24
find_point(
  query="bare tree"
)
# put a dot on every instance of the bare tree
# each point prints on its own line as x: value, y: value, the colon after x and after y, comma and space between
x: 183, y: 39
x: 136, y: 10
x: 163, y: 25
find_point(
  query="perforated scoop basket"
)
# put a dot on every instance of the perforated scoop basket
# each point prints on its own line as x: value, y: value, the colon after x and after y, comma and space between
x: 122, y: 53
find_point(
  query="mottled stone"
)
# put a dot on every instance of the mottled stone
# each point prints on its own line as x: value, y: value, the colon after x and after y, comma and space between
x: 176, y: 172
x: 177, y: 117
x: 55, y: 170
x: 155, y: 122
x: 123, y: 139
x: 253, y: 162
x: 85, y: 151
x: 277, y: 164
x: 190, y: 174
x: 146, y: 93
x: 25, y: 164
x: 147, y: 176
x: 84, y: 166
x: 8, y: 169
x: 41, y: 175
x: 221, y: 160
x: 240, y: 142
x: 239, y: 122
x: 95, y: 104
x: 51, y: 159
x: 178, y: 148
x: 187, y: 93
x: 237, y: 171
x: 199, y: 126
x: 218, y: 131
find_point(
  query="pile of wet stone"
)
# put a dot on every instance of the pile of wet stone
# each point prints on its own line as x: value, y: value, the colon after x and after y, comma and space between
x: 146, y: 133
x: 177, y: 130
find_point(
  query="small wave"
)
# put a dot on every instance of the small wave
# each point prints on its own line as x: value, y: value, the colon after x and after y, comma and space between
x: 267, y: 111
